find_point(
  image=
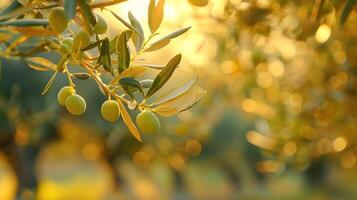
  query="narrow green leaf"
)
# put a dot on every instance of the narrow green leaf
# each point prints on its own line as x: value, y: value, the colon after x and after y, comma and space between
x: 346, y: 11
x: 25, y: 22
x: 113, y: 42
x: 70, y: 8
x: 105, y: 55
x: 81, y: 76
x: 164, y: 41
x: 126, y: 23
x: 164, y: 75
x: 13, y: 5
x: 129, y: 83
x: 49, y: 83
x: 138, y: 40
x: 40, y: 64
x: 123, y: 52
x: 87, y: 14
x: 92, y: 45
x: 155, y: 14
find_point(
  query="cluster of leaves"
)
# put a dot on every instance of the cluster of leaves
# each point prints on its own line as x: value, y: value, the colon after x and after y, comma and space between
x: 22, y: 22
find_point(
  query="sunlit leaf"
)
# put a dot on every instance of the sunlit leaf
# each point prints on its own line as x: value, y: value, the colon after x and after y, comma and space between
x: 164, y: 75
x: 13, y: 5
x: 346, y: 11
x: 128, y: 83
x: 70, y: 8
x: 164, y: 41
x: 138, y: 40
x: 36, y: 31
x: 105, y: 55
x: 180, y: 103
x: 155, y: 14
x: 128, y: 121
x: 41, y: 64
x: 87, y: 14
x: 133, y: 72
x: 146, y: 83
x: 18, y: 11
x: 123, y: 52
x: 25, y: 22
x: 126, y: 23
x: 49, y: 83
x: 177, y: 91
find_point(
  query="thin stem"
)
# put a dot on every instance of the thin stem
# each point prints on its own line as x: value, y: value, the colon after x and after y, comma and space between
x: 88, y: 67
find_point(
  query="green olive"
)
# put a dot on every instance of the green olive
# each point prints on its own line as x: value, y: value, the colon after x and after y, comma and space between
x: 75, y: 104
x: 199, y: 3
x: 64, y: 93
x: 110, y: 110
x: 81, y: 40
x: 58, y: 20
x: 68, y: 42
x: 101, y: 26
x: 148, y: 122
x: 65, y: 49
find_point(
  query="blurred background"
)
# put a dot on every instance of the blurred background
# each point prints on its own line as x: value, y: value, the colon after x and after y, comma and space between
x: 279, y: 120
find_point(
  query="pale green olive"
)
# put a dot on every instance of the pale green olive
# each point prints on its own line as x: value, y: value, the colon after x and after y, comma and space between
x: 148, y: 122
x: 75, y: 104
x: 110, y: 110
x: 58, y: 20
x: 64, y: 93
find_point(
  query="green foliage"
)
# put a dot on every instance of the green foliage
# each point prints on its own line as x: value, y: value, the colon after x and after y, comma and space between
x: 81, y: 44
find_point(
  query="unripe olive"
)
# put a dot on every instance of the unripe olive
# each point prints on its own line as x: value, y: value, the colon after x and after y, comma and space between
x: 81, y: 39
x: 65, y: 49
x: 64, y: 93
x: 199, y: 3
x: 101, y: 26
x: 148, y: 122
x: 75, y: 104
x: 58, y: 20
x: 110, y: 110
x: 68, y: 42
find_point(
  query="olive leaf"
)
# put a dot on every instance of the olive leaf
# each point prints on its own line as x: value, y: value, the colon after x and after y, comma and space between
x: 128, y: 84
x: 164, y: 41
x: 123, y: 52
x: 164, y: 75
x: 113, y: 42
x: 13, y: 5
x: 346, y: 11
x: 81, y: 76
x: 133, y: 72
x: 146, y: 83
x: 14, y: 12
x: 92, y: 45
x: 177, y: 91
x: 155, y: 14
x: 49, y: 83
x: 128, y: 121
x: 70, y: 8
x: 137, y: 39
x: 40, y: 64
x: 104, y: 57
x: 126, y: 24
x: 181, y: 103
x: 152, y: 66
x: 25, y: 22
x: 87, y: 14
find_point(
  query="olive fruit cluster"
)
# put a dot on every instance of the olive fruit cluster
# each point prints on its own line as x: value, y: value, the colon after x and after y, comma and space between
x: 74, y: 103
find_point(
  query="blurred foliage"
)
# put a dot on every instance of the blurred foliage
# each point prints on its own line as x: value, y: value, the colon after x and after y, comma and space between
x: 278, y: 121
